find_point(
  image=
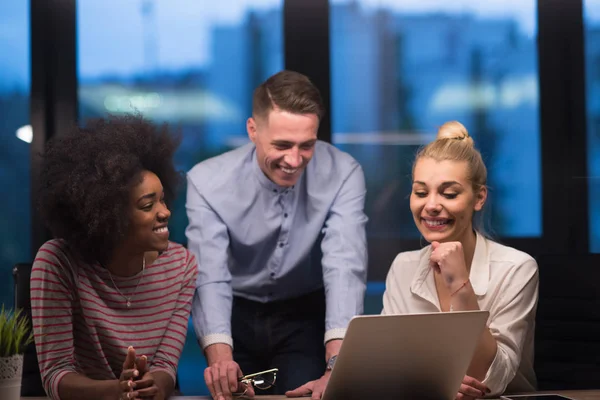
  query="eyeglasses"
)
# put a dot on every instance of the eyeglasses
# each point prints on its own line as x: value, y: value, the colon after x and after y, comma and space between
x: 261, y: 380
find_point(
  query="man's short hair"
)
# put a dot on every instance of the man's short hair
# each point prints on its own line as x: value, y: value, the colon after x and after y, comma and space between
x: 287, y: 91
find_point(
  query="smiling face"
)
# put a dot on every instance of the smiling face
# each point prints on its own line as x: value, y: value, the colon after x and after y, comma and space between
x: 443, y: 201
x: 149, y: 215
x: 285, y: 143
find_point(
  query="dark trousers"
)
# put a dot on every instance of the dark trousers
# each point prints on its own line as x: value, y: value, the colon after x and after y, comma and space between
x: 287, y: 335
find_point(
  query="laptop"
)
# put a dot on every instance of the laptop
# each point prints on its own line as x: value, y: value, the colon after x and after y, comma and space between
x: 410, y: 356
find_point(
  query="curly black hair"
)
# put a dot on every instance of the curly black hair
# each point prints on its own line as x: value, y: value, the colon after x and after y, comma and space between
x: 88, y: 174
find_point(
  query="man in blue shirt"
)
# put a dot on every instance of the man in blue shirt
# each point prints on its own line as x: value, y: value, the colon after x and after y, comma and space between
x: 279, y: 232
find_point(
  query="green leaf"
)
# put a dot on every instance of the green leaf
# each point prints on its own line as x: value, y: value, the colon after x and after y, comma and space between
x: 15, y: 332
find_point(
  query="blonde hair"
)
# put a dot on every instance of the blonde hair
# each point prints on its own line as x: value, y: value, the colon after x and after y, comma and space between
x: 454, y: 143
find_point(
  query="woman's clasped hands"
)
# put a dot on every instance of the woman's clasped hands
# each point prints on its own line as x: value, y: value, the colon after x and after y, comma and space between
x: 136, y: 381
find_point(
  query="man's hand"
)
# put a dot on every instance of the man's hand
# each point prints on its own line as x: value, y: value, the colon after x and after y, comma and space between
x: 314, y: 389
x: 471, y: 389
x: 222, y: 373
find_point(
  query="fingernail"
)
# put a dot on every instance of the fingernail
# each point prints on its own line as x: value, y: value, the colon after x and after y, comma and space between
x: 136, y: 373
x: 144, y: 357
x: 130, y: 348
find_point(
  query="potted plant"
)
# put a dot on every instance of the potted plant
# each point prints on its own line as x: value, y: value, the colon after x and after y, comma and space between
x: 15, y: 335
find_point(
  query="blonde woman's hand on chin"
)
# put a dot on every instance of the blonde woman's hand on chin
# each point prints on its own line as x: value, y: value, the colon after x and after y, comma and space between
x: 448, y: 259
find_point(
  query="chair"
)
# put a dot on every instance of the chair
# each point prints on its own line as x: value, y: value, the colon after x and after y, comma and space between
x: 567, y: 338
x: 31, y: 384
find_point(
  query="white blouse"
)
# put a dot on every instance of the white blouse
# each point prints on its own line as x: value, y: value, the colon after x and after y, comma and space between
x: 505, y: 281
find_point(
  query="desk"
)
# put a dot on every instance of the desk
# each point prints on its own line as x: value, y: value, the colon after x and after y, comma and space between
x: 210, y: 398
x: 574, y: 394
x: 579, y: 394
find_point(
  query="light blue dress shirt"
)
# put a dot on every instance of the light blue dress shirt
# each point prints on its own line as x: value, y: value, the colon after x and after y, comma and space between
x: 264, y: 242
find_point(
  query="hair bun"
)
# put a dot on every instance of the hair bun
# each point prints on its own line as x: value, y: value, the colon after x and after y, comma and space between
x: 454, y: 130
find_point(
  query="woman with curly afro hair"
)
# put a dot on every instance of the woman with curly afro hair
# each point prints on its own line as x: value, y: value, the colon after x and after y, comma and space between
x: 110, y: 294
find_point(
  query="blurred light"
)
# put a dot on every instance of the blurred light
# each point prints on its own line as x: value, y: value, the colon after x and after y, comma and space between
x: 509, y: 94
x: 25, y: 133
x: 176, y: 105
x: 518, y: 92
x: 136, y: 102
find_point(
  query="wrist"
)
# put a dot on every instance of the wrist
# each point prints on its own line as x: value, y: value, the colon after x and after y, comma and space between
x: 164, y: 383
x: 330, y: 363
x: 162, y: 393
x: 332, y: 348
x: 112, y: 390
x: 218, y: 352
x: 458, y: 286
x: 461, y: 297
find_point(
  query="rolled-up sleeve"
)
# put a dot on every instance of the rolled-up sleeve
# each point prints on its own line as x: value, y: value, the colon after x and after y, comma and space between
x: 208, y: 239
x: 511, y: 320
x: 344, y: 261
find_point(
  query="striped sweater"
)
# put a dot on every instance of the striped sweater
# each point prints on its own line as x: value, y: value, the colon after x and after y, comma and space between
x: 82, y: 324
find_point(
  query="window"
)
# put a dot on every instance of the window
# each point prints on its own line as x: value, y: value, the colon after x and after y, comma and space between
x: 401, y: 68
x: 592, y: 79
x: 191, y: 63
x: 16, y: 134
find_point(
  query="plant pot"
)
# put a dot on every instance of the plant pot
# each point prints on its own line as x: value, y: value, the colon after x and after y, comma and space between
x: 11, y: 371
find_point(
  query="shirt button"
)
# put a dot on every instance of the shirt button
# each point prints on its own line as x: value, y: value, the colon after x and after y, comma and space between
x: 285, y: 215
x: 274, y: 190
x: 272, y: 274
x: 281, y: 244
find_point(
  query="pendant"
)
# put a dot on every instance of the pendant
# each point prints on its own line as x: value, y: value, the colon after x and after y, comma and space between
x: 128, y: 303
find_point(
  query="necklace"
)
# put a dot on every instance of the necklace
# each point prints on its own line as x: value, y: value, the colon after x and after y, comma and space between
x: 128, y: 299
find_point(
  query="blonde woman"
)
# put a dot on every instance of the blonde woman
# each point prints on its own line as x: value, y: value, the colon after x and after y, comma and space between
x: 463, y: 270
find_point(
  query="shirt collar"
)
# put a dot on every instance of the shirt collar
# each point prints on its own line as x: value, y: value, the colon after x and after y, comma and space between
x: 266, y: 182
x: 479, y: 275
x: 423, y: 284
